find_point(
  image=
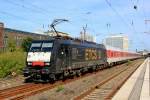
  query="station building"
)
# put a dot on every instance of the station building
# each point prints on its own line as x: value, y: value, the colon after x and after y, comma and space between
x: 17, y: 36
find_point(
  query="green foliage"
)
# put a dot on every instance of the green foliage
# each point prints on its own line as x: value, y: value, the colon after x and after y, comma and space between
x: 11, y: 62
x: 128, y: 62
x: 11, y: 44
x: 60, y: 88
x: 26, y: 43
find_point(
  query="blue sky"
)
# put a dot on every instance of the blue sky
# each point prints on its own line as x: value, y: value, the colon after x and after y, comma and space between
x: 30, y: 15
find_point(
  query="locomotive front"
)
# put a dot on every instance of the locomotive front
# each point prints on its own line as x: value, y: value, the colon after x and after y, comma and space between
x: 39, y: 59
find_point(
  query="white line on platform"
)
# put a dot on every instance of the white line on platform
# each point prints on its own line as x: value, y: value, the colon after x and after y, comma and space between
x: 145, y: 93
x: 126, y: 89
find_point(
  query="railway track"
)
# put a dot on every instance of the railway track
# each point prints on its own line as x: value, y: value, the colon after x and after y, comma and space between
x: 20, y: 92
x: 23, y: 91
x: 109, y: 86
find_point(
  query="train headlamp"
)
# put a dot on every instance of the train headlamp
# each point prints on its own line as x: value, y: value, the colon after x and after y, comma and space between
x: 29, y: 63
x: 47, y: 63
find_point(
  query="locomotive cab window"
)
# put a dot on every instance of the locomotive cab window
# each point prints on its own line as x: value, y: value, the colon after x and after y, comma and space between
x: 35, y: 47
x: 47, y: 46
x: 41, y: 46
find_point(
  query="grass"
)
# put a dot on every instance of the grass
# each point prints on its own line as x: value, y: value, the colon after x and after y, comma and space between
x: 11, y: 62
x: 128, y: 63
x: 60, y: 88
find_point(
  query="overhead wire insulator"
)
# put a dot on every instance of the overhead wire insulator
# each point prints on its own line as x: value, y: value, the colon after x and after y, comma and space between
x: 135, y: 7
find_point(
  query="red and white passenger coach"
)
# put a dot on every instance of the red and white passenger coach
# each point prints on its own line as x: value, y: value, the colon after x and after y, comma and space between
x: 115, y: 55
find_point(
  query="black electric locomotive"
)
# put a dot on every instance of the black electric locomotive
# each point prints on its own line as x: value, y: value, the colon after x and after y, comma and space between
x: 57, y: 58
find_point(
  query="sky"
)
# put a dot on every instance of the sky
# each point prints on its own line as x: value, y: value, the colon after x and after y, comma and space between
x: 103, y: 18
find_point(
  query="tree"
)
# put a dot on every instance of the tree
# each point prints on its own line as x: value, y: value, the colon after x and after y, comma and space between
x: 11, y: 44
x: 26, y: 43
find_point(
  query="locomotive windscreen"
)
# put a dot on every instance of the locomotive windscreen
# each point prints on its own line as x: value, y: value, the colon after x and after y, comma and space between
x: 41, y: 46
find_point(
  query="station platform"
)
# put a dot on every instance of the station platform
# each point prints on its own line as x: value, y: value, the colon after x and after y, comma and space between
x: 137, y: 87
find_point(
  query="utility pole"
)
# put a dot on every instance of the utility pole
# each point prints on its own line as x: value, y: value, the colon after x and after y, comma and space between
x: 146, y: 22
x: 84, y: 31
x: 108, y: 27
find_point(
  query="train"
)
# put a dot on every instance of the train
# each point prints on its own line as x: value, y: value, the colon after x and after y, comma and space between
x: 57, y: 58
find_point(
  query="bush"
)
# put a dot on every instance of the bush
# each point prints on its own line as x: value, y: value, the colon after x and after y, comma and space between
x: 11, y: 62
x: 11, y: 44
x: 26, y: 43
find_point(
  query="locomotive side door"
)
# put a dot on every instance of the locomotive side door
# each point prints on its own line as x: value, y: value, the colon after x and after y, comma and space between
x: 67, y: 52
x: 64, y: 56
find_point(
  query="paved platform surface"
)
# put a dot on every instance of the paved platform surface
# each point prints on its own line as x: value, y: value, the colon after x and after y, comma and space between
x: 137, y: 87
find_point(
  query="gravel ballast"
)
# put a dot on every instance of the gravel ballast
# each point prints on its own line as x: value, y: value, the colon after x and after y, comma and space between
x: 72, y: 89
x: 9, y: 82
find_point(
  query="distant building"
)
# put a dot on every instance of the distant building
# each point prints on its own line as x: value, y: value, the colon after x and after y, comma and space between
x: 52, y: 33
x: 1, y: 35
x: 117, y: 41
x: 17, y: 36
x: 87, y: 37
x: 39, y: 31
x: 144, y: 52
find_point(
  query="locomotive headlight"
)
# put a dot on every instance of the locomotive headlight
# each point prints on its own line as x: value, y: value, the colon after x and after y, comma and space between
x: 29, y: 56
x: 29, y: 63
x: 47, y: 63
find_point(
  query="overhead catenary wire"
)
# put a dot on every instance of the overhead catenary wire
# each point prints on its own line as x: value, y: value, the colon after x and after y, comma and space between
x: 35, y: 10
x: 137, y: 3
x: 25, y: 7
x: 35, y: 6
x: 31, y: 7
x: 136, y: 9
x: 121, y: 18
x: 145, y: 18
x: 15, y: 16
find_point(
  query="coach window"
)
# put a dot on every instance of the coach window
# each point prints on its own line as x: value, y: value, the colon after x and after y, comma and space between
x: 111, y: 54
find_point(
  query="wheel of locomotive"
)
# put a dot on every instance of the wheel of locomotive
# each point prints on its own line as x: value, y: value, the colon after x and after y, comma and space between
x: 90, y: 69
x: 28, y: 80
x: 97, y: 68
x: 65, y: 75
x: 83, y: 71
x: 94, y: 68
x: 52, y: 78
x: 71, y: 74
x: 78, y: 73
x: 60, y: 76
